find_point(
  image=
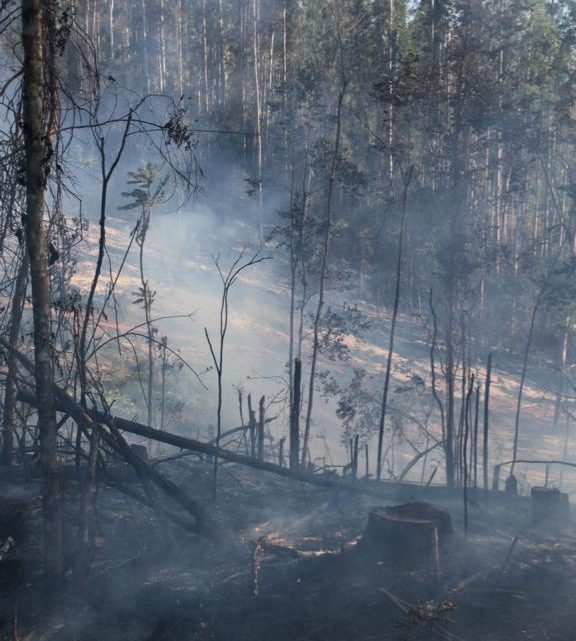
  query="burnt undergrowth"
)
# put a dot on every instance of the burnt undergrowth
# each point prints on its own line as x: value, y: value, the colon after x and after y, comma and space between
x: 286, y: 562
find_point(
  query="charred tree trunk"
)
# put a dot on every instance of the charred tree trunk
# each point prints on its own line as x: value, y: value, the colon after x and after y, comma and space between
x: 486, y: 420
x: 295, y: 416
x: 261, y: 424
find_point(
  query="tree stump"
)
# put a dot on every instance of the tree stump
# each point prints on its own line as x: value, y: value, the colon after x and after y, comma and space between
x: 14, y: 512
x: 410, y: 535
x: 14, y: 531
x: 550, y: 506
x: 141, y: 451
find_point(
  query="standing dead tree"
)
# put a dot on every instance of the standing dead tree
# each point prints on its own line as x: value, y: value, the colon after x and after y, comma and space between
x: 228, y: 279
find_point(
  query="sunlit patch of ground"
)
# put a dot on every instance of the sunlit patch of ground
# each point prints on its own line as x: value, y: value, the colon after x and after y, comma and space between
x: 256, y: 351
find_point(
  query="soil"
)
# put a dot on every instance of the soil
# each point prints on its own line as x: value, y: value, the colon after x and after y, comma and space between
x: 288, y: 563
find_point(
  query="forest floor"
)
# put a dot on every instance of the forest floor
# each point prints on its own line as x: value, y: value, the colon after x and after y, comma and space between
x: 286, y: 564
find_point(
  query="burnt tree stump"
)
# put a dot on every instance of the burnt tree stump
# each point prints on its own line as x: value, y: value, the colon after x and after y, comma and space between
x: 141, y: 451
x: 409, y: 535
x: 14, y: 532
x: 550, y: 506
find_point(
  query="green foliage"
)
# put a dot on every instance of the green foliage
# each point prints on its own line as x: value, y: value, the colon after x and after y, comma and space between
x: 149, y: 189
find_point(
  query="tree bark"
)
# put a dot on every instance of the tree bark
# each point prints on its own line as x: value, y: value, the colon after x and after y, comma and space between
x: 36, y: 158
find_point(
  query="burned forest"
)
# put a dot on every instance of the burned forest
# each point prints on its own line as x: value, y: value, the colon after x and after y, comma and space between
x: 287, y: 320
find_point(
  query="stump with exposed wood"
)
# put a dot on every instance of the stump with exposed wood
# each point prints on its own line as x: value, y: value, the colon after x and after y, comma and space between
x: 410, y: 535
x: 549, y: 506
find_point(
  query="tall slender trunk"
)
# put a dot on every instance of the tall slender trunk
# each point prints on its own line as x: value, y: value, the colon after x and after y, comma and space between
x: 522, y: 382
x: 433, y: 365
x: 295, y: 416
x: 323, y: 269
x: 205, y: 57
x: 180, y: 36
x: 392, y: 326
x: 450, y: 404
x: 36, y: 242
x: 146, y: 295
x: 258, y: 101
x: 563, y: 360
x: 145, y: 44
x: 111, y: 28
x: 222, y: 56
x: 485, y: 448
x: 162, y: 49
x: 391, y: 54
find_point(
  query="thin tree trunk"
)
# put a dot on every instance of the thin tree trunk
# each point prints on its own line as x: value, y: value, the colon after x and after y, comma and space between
x: 252, y: 427
x: 295, y: 416
x: 162, y: 49
x: 475, y: 443
x: 111, y: 28
x: 449, y: 376
x: 486, y: 420
x: 18, y: 298
x: 465, y: 459
x: 145, y: 44
x: 261, y: 426
x: 149, y: 328
x: 522, y: 382
x: 323, y: 270
x: 222, y: 56
x: 392, y: 326
x: 433, y: 365
x: 258, y: 98
x: 180, y: 36
x: 205, y: 57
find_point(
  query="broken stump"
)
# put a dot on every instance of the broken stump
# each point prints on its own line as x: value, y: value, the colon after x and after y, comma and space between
x: 15, y: 514
x: 411, y: 534
x: 141, y: 451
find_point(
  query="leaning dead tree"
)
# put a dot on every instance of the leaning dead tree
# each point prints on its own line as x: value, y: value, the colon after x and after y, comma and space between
x: 90, y: 421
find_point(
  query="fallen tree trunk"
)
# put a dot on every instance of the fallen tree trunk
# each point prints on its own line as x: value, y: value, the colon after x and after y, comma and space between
x: 91, y: 419
x: 65, y: 403
x: 193, y: 445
